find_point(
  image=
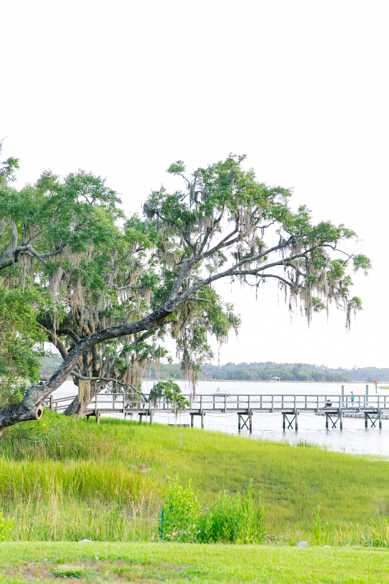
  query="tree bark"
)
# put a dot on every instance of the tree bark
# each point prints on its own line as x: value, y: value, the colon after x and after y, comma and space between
x: 16, y: 413
x: 77, y: 407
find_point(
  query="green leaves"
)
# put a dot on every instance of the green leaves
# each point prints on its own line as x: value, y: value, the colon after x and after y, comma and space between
x: 229, y: 519
x: 362, y: 262
x: 172, y: 392
x: 20, y: 338
x: 176, y: 168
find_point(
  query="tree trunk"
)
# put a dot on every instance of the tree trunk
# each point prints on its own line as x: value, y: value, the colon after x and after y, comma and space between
x: 82, y: 400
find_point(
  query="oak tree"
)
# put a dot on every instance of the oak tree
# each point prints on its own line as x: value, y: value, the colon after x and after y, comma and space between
x: 223, y: 223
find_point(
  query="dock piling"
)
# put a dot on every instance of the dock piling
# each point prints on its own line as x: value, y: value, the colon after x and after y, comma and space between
x: 290, y: 421
x: 335, y: 417
x: 245, y: 420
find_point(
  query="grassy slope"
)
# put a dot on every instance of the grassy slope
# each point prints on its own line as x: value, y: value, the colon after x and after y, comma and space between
x: 102, y: 562
x: 106, y: 482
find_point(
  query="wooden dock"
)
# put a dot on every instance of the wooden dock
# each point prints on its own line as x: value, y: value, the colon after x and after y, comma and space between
x: 372, y: 408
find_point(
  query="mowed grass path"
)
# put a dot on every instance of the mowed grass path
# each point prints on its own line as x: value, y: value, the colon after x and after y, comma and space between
x: 155, y: 562
x: 107, y: 482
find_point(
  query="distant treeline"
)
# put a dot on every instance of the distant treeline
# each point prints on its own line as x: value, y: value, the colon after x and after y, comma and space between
x: 265, y: 371
x: 252, y: 371
x: 49, y: 365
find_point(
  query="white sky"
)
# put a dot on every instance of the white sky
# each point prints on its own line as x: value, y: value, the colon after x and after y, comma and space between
x: 123, y: 88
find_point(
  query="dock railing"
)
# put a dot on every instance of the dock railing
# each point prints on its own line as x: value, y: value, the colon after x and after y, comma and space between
x: 233, y: 403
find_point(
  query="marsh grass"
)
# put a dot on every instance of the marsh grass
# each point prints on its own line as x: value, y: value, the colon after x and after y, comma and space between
x: 307, y: 444
x: 68, y: 479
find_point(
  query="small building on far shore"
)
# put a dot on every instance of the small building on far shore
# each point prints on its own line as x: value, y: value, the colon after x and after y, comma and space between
x: 275, y: 379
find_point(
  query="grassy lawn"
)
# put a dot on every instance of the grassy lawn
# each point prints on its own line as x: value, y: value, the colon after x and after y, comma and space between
x: 63, y: 479
x: 155, y: 562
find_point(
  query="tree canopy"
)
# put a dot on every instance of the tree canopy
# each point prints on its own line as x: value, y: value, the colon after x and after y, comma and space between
x: 106, y: 289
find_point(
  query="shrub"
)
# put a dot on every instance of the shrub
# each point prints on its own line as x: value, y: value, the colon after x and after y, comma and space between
x: 233, y: 520
x: 180, y: 515
x: 230, y: 519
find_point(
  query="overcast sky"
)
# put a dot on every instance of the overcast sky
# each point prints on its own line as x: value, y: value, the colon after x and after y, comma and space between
x: 123, y: 88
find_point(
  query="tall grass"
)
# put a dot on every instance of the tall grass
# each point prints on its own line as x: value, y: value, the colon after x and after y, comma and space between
x: 67, y: 479
x: 70, y: 479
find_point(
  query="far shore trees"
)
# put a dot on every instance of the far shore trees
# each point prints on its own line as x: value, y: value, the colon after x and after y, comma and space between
x: 109, y: 283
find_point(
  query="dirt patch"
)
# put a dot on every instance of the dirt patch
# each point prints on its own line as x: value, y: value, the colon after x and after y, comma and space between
x: 93, y: 571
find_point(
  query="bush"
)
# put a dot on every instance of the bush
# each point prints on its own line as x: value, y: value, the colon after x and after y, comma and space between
x: 233, y: 520
x: 180, y: 515
x: 229, y: 520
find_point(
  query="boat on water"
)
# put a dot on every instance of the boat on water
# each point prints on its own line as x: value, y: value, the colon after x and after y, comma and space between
x: 221, y: 393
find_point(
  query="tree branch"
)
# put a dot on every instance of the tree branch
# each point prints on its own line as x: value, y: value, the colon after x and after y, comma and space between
x: 29, y: 249
x: 55, y: 340
x: 69, y: 333
x: 253, y: 273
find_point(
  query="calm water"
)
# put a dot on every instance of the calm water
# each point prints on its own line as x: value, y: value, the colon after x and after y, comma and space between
x: 354, y: 438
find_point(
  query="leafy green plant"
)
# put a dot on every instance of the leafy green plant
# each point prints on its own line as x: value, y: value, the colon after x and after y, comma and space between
x: 180, y: 515
x: 233, y: 520
x: 6, y: 528
x: 172, y: 393
x: 230, y: 519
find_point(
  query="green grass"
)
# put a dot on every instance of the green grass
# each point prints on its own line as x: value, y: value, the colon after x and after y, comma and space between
x: 63, y: 479
x: 148, y: 562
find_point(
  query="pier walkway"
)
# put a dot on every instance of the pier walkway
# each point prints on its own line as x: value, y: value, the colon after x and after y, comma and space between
x: 372, y: 408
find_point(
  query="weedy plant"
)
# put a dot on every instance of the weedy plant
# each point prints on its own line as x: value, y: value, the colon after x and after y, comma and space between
x: 233, y: 520
x: 6, y: 528
x: 376, y: 534
x: 181, y: 513
x: 229, y: 519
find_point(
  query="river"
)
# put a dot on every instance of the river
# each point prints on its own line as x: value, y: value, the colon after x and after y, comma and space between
x: 353, y: 439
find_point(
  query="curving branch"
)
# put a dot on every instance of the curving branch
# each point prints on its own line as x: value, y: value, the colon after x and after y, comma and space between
x: 29, y: 249
x: 55, y: 340
x: 69, y: 333
x: 275, y: 276
x: 110, y: 380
